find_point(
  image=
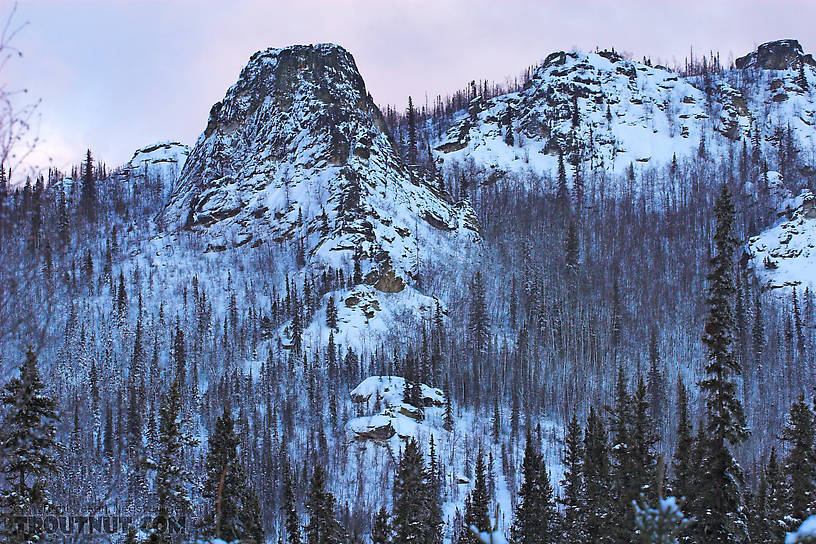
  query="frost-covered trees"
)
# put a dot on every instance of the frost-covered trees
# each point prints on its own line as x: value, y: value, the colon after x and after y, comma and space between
x: 720, y: 493
x: 416, y: 518
x: 232, y: 511
x: 322, y: 527
x: 536, y: 519
x: 477, y: 503
x: 28, y: 445
x: 173, y: 480
x: 478, y: 319
x: 88, y: 202
x: 800, y: 463
x: 573, y: 490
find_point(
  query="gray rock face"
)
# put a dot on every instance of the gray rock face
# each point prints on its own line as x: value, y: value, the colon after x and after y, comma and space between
x: 776, y: 55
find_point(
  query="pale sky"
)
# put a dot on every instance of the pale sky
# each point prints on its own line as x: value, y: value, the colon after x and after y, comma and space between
x: 117, y: 75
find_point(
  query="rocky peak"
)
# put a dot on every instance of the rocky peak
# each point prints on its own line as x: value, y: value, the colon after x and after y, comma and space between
x: 776, y: 55
x: 599, y: 108
x: 297, y: 152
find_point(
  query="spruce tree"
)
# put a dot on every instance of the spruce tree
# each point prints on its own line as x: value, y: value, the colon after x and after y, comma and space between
x: 381, y: 528
x: 625, y: 484
x: 28, y: 444
x: 536, y: 519
x: 173, y: 480
x: 88, y: 200
x: 800, y: 464
x: 572, y: 498
x: 597, y: 480
x: 644, y: 440
x: 527, y: 524
x: 478, y: 321
x: 331, y: 314
x: 777, y: 500
x: 291, y: 523
x: 411, y: 153
x: 323, y: 527
x: 232, y: 511
x: 410, y: 498
x: 682, y: 465
x: 562, y: 192
x: 720, y: 490
x: 476, y: 510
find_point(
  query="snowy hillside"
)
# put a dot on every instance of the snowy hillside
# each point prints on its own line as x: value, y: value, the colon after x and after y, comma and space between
x: 605, y: 112
x: 298, y: 152
x: 784, y: 256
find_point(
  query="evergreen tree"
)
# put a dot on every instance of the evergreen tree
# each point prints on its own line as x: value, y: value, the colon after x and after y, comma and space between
x: 410, y: 497
x: 800, y: 464
x: 536, y: 519
x: 527, y: 524
x: 656, y: 382
x: 625, y: 466
x: 476, y: 510
x: 88, y: 200
x: 683, y: 464
x: 323, y: 527
x: 232, y: 511
x: 173, y: 479
x: 411, y: 153
x: 597, y: 480
x: 478, y: 321
x: 331, y: 314
x: 562, y: 192
x: 777, y: 505
x: 644, y: 440
x: 291, y: 523
x: 720, y: 489
x: 572, y: 485
x: 381, y: 528
x: 28, y: 445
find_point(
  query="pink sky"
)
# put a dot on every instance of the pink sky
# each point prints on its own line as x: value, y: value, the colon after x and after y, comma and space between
x: 117, y: 75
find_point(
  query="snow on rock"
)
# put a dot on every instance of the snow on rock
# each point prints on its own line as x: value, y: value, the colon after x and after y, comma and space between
x: 770, y: 191
x: 298, y: 156
x: 607, y: 112
x: 161, y: 163
x: 390, y: 389
x: 805, y: 534
x: 394, y: 421
x: 775, y: 55
x: 297, y: 152
x: 630, y: 112
x: 367, y: 316
x: 784, y: 256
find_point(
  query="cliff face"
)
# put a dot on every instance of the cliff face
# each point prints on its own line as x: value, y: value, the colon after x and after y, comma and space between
x: 298, y: 152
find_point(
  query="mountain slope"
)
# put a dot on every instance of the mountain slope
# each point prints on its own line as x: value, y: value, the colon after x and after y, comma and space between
x: 784, y: 256
x: 298, y: 152
x: 606, y: 112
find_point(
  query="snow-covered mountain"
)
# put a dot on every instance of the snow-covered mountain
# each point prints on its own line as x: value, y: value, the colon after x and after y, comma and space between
x: 609, y: 110
x: 606, y: 112
x: 297, y: 153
